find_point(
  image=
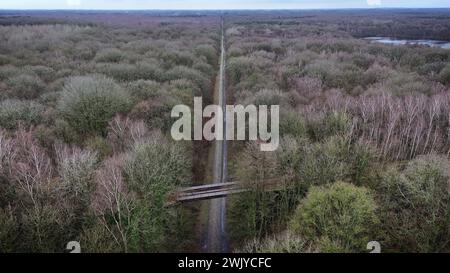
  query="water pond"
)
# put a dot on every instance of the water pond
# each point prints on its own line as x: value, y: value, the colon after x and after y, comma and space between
x: 393, y: 41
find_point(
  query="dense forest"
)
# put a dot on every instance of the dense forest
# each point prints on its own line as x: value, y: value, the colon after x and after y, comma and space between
x: 365, y: 133
x: 85, y: 115
x: 85, y: 112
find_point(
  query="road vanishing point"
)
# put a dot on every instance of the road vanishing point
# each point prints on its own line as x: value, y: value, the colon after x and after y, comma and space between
x: 216, y: 241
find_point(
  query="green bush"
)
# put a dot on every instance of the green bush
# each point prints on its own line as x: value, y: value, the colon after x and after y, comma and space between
x: 152, y: 229
x: 374, y: 74
x: 100, y: 146
x: 335, y: 74
x: 341, y: 213
x: 444, y: 76
x: 412, y: 60
x: 8, y: 71
x: 96, y: 238
x: 43, y: 72
x: 117, y: 71
x: 50, y: 99
x: 183, y: 72
x: 331, y: 124
x: 149, y: 71
x: 363, y: 61
x: 268, y: 97
x: 65, y: 132
x: 76, y: 170
x: 207, y: 70
x: 88, y: 103
x: 362, y: 160
x: 43, y: 230
x: 151, y: 172
x: 109, y: 55
x: 332, y: 46
x: 143, y: 90
x: 255, y: 212
x: 9, y: 229
x: 4, y: 59
x: 273, y: 45
x: 155, y: 168
x: 416, y: 205
x: 290, y: 156
x: 333, y: 160
x: 25, y: 86
x: 324, y: 163
x: 185, y: 91
x: 128, y: 72
x: 293, y: 124
x: 257, y: 81
x: 45, y: 136
x: 174, y: 58
x: 156, y: 112
x: 13, y: 112
x: 401, y: 84
x: 238, y: 68
x: 431, y: 69
x: 209, y: 52
x: 436, y: 56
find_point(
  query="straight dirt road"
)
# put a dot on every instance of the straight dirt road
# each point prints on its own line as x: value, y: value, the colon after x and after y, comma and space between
x: 216, y: 241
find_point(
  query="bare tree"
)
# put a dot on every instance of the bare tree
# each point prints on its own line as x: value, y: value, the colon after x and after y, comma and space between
x: 32, y: 168
x: 113, y: 200
x: 123, y: 133
x: 400, y: 127
x: 7, y: 154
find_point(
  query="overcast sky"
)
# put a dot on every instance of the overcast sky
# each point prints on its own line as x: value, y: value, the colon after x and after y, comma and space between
x: 218, y: 4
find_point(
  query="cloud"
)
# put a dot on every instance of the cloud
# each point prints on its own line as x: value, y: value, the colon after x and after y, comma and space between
x: 374, y: 2
x: 73, y: 3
